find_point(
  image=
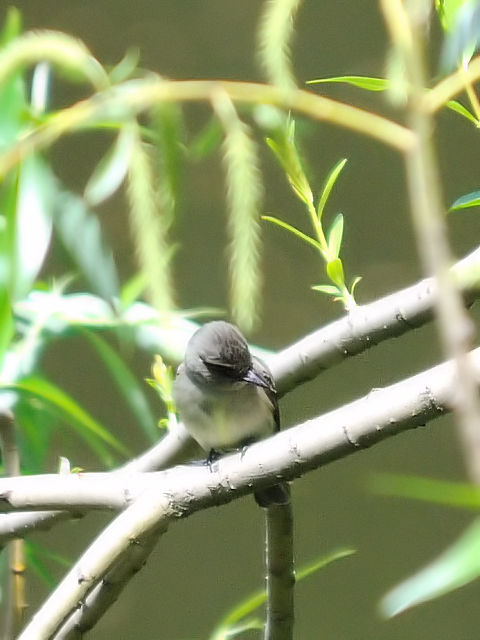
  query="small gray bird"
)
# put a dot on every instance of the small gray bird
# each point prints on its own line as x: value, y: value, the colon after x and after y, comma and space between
x: 225, y: 397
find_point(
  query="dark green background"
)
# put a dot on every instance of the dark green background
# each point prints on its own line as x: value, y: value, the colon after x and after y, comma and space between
x: 207, y: 563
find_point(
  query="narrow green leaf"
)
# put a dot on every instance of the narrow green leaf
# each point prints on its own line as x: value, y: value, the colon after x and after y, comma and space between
x: 335, y: 235
x: 322, y: 562
x: 295, y: 231
x: 110, y: 172
x: 328, y: 186
x: 34, y: 432
x: 468, y: 200
x: 36, y: 563
x: 6, y: 323
x: 335, y: 272
x: 252, y: 602
x: 353, y: 286
x: 329, y: 289
x: 79, y: 228
x: 363, y: 82
x: 275, y: 35
x: 451, y: 494
x: 133, y: 288
x: 244, y: 195
x: 458, y: 107
x: 12, y: 27
x: 33, y: 223
x: 285, y: 150
x: 447, y: 11
x: 131, y: 391
x: 65, y: 407
x: 457, y: 566
x: 207, y: 141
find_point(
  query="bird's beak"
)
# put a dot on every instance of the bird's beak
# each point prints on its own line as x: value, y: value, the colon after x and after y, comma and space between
x: 253, y: 378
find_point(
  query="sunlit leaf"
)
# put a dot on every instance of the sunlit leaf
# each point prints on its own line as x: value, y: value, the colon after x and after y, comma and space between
x: 452, y: 494
x: 37, y: 554
x: 353, y: 286
x: 335, y: 271
x: 78, y: 228
x: 329, y: 289
x: 6, y: 323
x: 12, y: 25
x: 294, y: 231
x: 363, y: 82
x: 335, y: 235
x: 207, y: 140
x: 457, y: 566
x: 112, y: 168
x: 34, y: 434
x: 251, y: 603
x: 131, y: 391
x: 458, y: 107
x: 447, y: 11
x: 328, y: 186
x: 133, y: 288
x: 63, y: 405
x: 33, y: 223
x: 462, y: 32
x: 286, y: 152
x: 471, y: 199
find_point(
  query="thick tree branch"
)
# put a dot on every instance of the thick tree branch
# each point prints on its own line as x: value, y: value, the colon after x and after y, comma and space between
x: 178, y: 492
x: 285, y: 456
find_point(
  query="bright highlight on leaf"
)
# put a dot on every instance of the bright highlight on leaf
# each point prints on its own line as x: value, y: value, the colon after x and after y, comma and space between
x: 458, y: 107
x: 456, y: 567
x: 363, y: 82
x: 451, y: 494
x: 95, y: 435
x: 468, y: 200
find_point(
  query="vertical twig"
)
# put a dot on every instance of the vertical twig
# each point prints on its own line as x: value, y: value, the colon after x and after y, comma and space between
x: 15, y: 589
x: 280, y: 574
x: 455, y: 327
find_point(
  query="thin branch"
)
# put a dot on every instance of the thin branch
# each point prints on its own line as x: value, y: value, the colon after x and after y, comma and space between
x: 449, y: 87
x: 142, y: 94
